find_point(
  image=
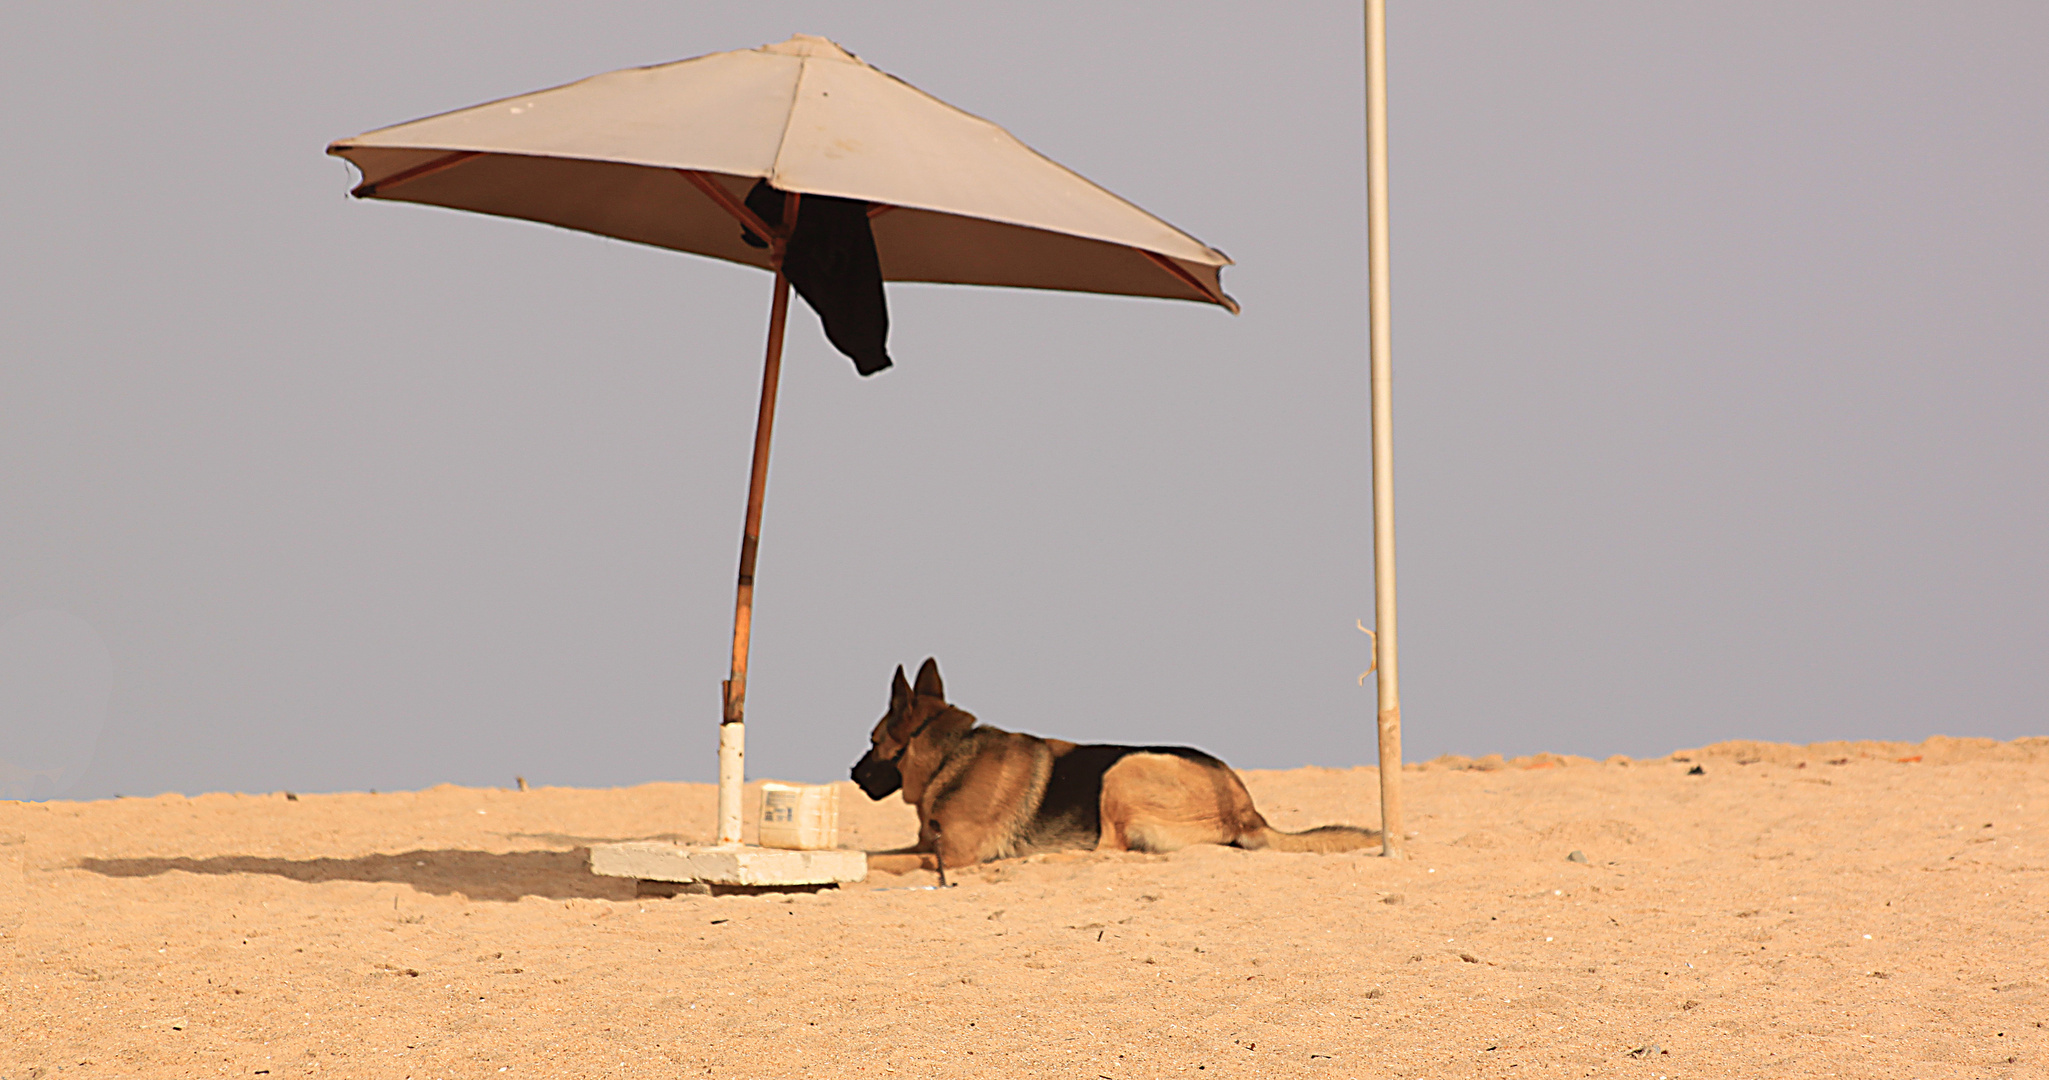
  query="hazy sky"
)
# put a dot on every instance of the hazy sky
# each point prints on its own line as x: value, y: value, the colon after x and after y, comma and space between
x: 1720, y: 337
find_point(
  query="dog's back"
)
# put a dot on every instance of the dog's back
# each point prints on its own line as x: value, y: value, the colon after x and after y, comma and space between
x: 1071, y: 811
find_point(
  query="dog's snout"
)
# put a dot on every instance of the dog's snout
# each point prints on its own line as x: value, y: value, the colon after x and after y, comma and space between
x: 878, y: 777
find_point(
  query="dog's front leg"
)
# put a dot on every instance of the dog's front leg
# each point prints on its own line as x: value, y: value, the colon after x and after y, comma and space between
x: 924, y: 846
x: 903, y: 860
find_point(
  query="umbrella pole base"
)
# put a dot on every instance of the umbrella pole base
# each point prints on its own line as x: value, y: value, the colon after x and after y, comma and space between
x: 732, y: 779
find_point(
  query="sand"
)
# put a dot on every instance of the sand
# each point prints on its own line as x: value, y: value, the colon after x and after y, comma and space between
x: 1790, y: 911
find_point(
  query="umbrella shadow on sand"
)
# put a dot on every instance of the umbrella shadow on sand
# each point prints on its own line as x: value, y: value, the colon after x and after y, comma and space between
x: 478, y: 875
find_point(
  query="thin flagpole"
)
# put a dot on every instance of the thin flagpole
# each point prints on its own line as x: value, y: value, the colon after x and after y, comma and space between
x: 732, y: 720
x: 1382, y: 378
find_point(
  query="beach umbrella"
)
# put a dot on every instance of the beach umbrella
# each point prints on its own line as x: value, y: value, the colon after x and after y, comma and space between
x: 800, y: 159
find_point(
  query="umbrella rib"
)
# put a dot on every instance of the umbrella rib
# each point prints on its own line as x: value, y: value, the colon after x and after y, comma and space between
x: 718, y: 194
x: 372, y: 188
x: 1187, y: 278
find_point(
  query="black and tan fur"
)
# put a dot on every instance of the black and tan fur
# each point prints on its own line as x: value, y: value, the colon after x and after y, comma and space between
x: 983, y: 793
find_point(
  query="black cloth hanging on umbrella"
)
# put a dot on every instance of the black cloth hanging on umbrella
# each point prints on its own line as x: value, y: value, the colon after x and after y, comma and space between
x: 831, y: 261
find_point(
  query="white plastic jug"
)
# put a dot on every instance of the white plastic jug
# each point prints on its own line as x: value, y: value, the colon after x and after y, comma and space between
x: 805, y: 817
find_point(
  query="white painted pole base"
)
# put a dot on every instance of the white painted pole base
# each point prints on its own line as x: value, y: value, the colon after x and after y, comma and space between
x: 732, y: 780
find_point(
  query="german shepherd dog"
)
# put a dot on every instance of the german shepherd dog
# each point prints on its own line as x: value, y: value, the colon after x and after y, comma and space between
x: 983, y: 793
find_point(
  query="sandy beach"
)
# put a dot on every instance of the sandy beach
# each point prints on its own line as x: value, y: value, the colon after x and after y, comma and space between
x: 1746, y: 909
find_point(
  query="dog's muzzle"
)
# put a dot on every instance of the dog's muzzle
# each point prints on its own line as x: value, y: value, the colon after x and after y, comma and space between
x: 879, y: 778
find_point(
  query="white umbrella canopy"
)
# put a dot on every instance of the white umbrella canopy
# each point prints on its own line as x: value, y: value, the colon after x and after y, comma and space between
x: 955, y: 198
x: 705, y: 155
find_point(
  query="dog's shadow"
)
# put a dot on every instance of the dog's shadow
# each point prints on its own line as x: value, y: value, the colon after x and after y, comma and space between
x: 478, y: 875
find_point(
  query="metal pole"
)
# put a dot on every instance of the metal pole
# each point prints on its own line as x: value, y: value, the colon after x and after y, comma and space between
x: 1391, y: 840
x: 732, y: 721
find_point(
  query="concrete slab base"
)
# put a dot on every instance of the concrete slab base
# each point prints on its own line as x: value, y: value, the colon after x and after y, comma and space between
x: 750, y: 867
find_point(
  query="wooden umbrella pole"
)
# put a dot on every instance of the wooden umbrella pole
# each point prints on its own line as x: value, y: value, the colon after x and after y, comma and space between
x: 1382, y: 379
x: 732, y: 721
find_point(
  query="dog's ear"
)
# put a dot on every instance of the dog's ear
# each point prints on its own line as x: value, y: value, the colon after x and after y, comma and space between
x: 900, y: 692
x: 928, y: 680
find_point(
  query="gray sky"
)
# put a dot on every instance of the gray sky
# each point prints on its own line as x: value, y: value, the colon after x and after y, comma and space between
x: 1719, y: 340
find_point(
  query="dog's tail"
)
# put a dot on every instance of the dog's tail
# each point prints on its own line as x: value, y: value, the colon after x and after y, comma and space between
x: 1323, y: 838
